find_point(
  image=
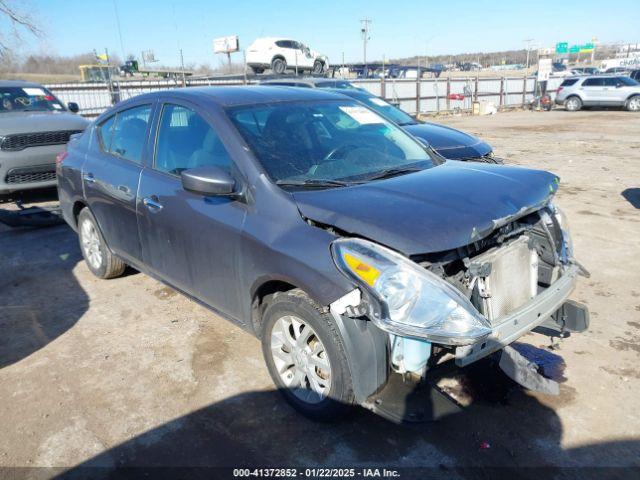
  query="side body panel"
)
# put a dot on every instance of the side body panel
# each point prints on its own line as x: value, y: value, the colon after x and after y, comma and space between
x: 110, y: 186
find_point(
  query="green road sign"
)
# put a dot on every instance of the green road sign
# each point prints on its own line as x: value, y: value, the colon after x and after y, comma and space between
x: 574, y: 49
x: 586, y: 48
x: 562, y: 47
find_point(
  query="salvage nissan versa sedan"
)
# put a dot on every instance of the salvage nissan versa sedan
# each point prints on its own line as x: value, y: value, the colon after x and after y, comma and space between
x: 350, y: 250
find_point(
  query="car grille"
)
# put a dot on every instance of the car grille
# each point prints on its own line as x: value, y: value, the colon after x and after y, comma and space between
x: 40, y: 173
x: 20, y: 141
x: 511, y: 281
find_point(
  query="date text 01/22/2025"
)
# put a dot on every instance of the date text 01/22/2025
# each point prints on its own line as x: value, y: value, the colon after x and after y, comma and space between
x: 316, y: 473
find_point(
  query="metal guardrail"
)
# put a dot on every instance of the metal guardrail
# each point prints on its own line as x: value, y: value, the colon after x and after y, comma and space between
x: 430, y: 95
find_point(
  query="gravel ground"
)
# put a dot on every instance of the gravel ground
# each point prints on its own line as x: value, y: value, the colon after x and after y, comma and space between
x: 128, y: 372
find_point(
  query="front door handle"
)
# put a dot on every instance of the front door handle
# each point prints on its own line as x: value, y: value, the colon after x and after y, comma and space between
x: 88, y: 177
x: 152, y: 203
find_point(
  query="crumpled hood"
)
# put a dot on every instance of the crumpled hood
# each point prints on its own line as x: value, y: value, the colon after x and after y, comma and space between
x: 449, y: 142
x: 29, y: 122
x: 434, y: 210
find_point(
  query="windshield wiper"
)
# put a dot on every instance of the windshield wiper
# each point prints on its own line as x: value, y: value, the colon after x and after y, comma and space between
x: 312, y: 183
x: 392, y: 172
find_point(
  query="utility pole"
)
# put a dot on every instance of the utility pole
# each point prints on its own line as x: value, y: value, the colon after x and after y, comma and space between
x: 184, y: 83
x: 528, y: 42
x: 115, y: 7
x: 365, y: 38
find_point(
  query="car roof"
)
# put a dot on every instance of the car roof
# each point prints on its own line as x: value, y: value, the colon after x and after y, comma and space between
x: 272, y: 39
x: 18, y: 83
x: 242, y: 95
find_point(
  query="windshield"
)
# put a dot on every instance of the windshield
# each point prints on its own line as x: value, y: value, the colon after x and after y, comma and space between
x: 329, y: 141
x: 386, y: 109
x: 22, y: 99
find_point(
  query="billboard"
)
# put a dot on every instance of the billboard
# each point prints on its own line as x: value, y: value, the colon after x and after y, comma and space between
x: 226, y: 44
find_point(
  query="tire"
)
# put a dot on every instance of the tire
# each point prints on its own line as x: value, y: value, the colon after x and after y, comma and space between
x: 573, y: 103
x: 96, y: 253
x: 302, y: 346
x: 278, y: 65
x: 633, y: 104
x: 318, y: 67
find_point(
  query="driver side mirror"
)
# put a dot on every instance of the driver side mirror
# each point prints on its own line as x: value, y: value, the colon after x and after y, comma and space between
x: 73, y: 107
x: 209, y: 181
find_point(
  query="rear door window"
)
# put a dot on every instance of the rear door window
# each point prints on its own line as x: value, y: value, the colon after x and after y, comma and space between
x: 105, y: 132
x: 125, y: 133
x: 593, y: 82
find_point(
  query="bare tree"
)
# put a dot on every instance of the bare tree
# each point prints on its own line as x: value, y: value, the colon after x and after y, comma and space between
x: 19, y: 21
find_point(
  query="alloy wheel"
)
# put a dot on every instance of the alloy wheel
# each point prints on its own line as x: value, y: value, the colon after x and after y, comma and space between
x: 301, y: 359
x: 573, y: 104
x: 634, y: 104
x: 91, y: 244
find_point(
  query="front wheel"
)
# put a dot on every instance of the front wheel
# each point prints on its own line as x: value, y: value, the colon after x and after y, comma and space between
x: 633, y: 104
x: 573, y: 104
x: 98, y: 257
x: 305, y: 356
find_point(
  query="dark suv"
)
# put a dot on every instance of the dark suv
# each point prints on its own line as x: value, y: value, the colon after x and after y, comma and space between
x: 325, y: 230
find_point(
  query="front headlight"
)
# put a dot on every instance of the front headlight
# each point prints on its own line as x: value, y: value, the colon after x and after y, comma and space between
x: 414, y: 302
x: 563, y: 223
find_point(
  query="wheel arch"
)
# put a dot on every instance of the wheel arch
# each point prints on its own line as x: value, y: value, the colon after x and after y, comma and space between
x: 365, y: 344
x: 76, y: 209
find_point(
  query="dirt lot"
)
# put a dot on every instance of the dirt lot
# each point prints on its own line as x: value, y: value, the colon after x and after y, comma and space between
x: 127, y: 372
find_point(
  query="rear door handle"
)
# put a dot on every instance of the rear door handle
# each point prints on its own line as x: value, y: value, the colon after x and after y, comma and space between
x: 152, y: 203
x: 88, y: 177
x: 124, y: 188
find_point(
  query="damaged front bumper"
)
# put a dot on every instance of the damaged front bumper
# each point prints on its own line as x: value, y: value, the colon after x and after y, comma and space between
x: 526, y: 318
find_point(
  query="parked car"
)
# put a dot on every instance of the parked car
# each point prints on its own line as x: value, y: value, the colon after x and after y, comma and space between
x: 34, y: 126
x: 325, y: 230
x: 599, y: 90
x: 584, y: 71
x: 282, y: 54
x: 617, y: 71
x: 450, y: 143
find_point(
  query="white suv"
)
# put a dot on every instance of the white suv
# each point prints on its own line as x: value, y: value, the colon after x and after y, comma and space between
x: 280, y: 54
x: 599, y: 91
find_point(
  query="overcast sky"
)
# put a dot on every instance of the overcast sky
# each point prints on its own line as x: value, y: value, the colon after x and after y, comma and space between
x: 399, y: 28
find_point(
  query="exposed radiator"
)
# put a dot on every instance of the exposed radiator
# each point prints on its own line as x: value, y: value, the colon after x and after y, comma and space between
x: 511, y: 282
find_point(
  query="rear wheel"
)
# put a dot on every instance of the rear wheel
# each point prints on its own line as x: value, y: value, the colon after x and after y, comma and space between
x: 305, y: 356
x: 257, y: 70
x: 573, y: 104
x: 98, y: 257
x: 278, y: 65
x: 318, y: 67
x: 633, y: 104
